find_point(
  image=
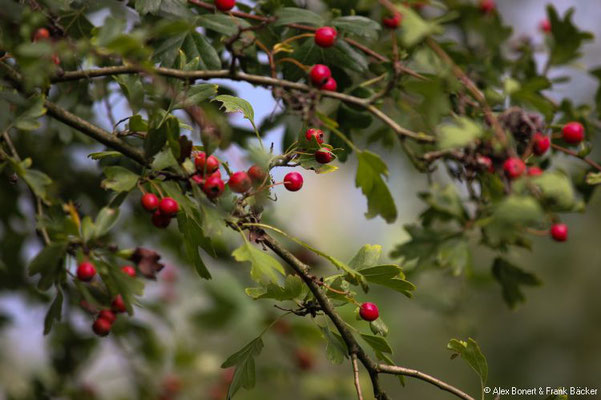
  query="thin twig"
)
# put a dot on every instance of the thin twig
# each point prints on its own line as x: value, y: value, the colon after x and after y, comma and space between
x: 574, y: 154
x: 356, y: 376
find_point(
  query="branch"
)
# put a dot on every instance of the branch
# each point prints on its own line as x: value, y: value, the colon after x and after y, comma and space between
x: 356, y: 376
x: 241, y: 76
x: 394, y: 370
x: 574, y: 154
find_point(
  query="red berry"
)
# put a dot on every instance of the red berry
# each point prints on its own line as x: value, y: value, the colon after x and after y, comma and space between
x: 486, y: 163
x: 239, y: 182
x: 129, y: 270
x: 304, y: 360
x: 118, y: 306
x: 314, y: 133
x: 369, y: 312
x: 200, y: 180
x: 325, y: 36
x: 541, y: 143
x: 514, y: 167
x: 256, y: 174
x: 41, y: 34
x: 487, y: 6
x: 160, y: 220
x: 323, y: 155
x: 202, y: 163
x: 573, y: 132
x: 213, y: 187
x: 150, y: 202
x: 559, y: 232
x: 534, y: 171
x: 330, y: 85
x: 225, y: 5
x: 392, y: 21
x: 293, y: 181
x: 56, y: 59
x: 86, y: 271
x: 319, y: 74
x: 545, y: 26
x: 107, y: 315
x: 168, y: 206
x: 101, y: 327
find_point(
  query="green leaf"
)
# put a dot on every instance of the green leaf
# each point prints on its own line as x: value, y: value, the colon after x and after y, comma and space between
x: 197, y: 94
x: 358, y: 25
x: 38, y: 182
x: 48, y: 263
x: 470, y: 352
x: 378, y: 327
x: 137, y: 123
x: 236, y: 104
x: 292, y: 289
x: 567, y: 38
x: 378, y: 343
x: 132, y: 88
x: 336, y: 350
x: 390, y: 276
x: 54, y: 312
x: 27, y: 115
x: 557, y: 190
x: 369, y: 179
x: 120, y: 283
x: 193, y: 45
x: 221, y: 23
x: 244, y: 361
x: 99, y: 155
x: 367, y: 256
x: 294, y: 15
x: 105, y: 220
x: 415, y: 28
x: 119, y: 179
x: 445, y: 200
x: 461, y: 133
x: 192, y: 236
x: 263, y: 266
x: 593, y: 178
x: 511, y: 279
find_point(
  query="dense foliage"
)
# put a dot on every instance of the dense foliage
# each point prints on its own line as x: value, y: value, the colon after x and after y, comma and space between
x: 442, y: 83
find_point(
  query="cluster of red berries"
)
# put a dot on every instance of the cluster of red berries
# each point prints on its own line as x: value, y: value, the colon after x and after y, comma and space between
x: 323, y: 155
x: 321, y: 76
x: 162, y: 210
x: 105, y: 318
x: 41, y: 35
x: 225, y: 5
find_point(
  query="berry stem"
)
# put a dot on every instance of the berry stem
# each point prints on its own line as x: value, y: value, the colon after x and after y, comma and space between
x: 295, y: 62
x: 574, y: 154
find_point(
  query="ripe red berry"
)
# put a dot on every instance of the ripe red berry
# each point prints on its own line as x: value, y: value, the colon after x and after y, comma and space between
x: 486, y: 163
x: 325, y: 36
x: 101, y: 327
x: 256, y: 174
x: 150, y: 202
x: 392, y: 21
x: 330, y: 85
x: 204, y: 164
x: 545, y: 26
x: 324, y: 155
x: 129, y: 270
x: 304, y: 360
x: 293, y: 181
x: 56, y: 59
x: 319, y: 74
x: 514, y: 167
x: 225, y: 5
x: 41, y: 34
x: 213, y: 187
x: 200, y: 180
x: 534, y: 171
x: 86, y: 271
x: 239, y: 182
x: 487, y: 6
x: 314, y: 133
x: 559, y: 232
x: 107, y: 315
x: 541, y: 143
x: 369, y: 312
x: 573, y: 132
x: 117, y: 305
x: 160, y: 220
x: 168, y: 206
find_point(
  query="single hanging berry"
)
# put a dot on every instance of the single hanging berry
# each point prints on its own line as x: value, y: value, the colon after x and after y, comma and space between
x: 86, y: 271
x: 369, y: 312
x: 559, y: 232
x: 239, y: 182
x: 325, y: 36
x: 150, y: 202
x: 293, y: 181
